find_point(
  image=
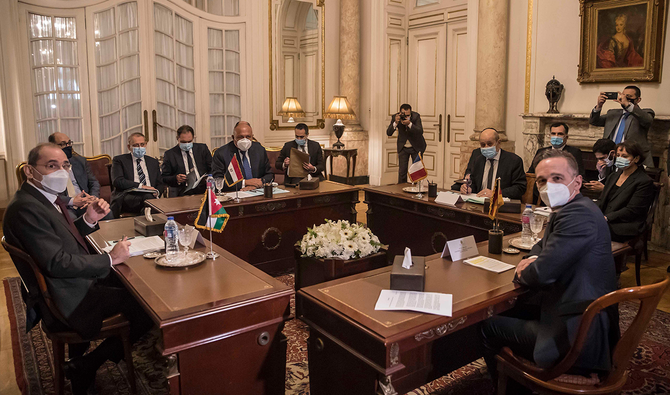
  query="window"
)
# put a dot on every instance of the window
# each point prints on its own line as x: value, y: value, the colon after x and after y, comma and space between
x: 217, y: 7
x: 224, y: 84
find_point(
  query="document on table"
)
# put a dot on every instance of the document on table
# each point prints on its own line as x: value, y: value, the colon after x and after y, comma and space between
x: 473, y: 198
x: 448, y: 198
x: 254, y: 192
x: 490, y: 264
x: 140, y: 245
x: 423, y: 302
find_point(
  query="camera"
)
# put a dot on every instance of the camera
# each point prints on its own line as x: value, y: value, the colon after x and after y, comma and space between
x: 611, y: 95
x: 402, y: 116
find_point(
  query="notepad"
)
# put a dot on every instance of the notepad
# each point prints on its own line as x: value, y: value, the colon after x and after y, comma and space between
x: 140, y: 245
x: 490, y: 264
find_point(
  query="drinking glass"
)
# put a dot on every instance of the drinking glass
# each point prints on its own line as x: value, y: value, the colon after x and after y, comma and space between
x: 536, y: 223
x: 185, y: 239
x: 219, y: 184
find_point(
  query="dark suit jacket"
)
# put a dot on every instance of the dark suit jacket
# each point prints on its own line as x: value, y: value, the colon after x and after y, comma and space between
x: 637, y: 127
x: 123, y: 175
x: 510, y: 171
x: 315, y: 158
x: 627, y: 208
x: 84, y: 176
x: 574, y: 151
x: 574, y: 267
x: 258, y: 159
x: 33, y: 224
x: 413, y: 134
x: 173, y: 164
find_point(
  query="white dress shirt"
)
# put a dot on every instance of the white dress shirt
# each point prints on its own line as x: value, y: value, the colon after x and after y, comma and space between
x: 136, y: 176
x: 487, y: 168
x: 185, y: 158
x: 626, y: 110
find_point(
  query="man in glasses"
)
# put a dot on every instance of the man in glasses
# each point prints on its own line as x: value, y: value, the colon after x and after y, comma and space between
x: 82, y: 186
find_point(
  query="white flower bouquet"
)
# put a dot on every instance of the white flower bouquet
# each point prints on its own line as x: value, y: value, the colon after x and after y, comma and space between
x: 339, y: 240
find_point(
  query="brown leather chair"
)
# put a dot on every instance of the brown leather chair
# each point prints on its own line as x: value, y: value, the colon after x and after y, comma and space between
x: 555, y: 381
x: 273, y: 154
x: 116, y: 325
x: 20, y: 175
x: 99, y: 168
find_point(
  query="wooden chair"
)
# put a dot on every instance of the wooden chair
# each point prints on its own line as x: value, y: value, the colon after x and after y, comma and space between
x: 116, y: 325
x: 639, y: 243
x: 273, y: 154
x: 99, y: 168
x: 20, y: 175
x: 555, y: 381
x: 530, y: 183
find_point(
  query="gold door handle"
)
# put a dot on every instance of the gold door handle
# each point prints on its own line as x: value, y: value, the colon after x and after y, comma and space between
x: 448, y: 128
x: 146, y: 123
x: 439, y: 128
x: 155, y: 125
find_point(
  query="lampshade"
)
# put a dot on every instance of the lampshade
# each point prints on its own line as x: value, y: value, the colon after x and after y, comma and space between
x: 340, y: 108
x: 291, y: 108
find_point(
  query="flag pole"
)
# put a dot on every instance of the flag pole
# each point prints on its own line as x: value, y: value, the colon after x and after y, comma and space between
x: 211, y: 254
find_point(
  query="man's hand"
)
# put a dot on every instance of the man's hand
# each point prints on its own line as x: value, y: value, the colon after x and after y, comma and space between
x: 397, y: 118
x: 595, y: 186
x: 82, y: 200
x: 120, y: 252
x: 287, y: 162
x: 465, y: 186
x: 622, y: 99
x: 600, y: 165
x: 405, y: 122
x: 96, y: 211
x: 523, y: 264
x: 601, y: 100
x: 181, y: 178
x: 148, y: 187
x: 308, y: 166
x: 485, y: 193
x: 253, y: 182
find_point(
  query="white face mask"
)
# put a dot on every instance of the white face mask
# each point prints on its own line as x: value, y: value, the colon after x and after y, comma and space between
x: 555, y: 194
x: 244, y: 144
x: 55, y: 182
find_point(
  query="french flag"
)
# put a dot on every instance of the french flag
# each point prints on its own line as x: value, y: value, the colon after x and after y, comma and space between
x: 417, y: 171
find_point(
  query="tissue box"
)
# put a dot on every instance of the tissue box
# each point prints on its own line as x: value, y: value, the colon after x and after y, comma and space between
x: 411, y: 279
x: 309, y: 184
x: 147, y: 228
x: 513, y: 206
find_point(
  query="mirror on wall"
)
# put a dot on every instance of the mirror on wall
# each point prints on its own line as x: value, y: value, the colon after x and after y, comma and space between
x: 297, y: 61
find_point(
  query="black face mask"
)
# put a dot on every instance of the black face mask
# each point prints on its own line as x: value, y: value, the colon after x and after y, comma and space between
x: 68, y: 152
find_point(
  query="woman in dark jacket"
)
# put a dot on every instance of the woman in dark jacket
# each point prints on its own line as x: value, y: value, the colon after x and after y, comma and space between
x: 628, y: 193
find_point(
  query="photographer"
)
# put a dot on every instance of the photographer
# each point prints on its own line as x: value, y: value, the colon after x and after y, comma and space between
x: 410, y: 138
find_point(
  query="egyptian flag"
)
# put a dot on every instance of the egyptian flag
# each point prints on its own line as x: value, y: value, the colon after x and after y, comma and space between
x: 212, y: 215
x: 496, y: 199
x: 234, y: 173
x: 417, y: 171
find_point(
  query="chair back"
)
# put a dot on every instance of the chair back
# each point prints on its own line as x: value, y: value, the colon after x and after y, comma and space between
x: 20, y: 175
x: 273, y: 154
x: 652, y: 209
x: 98, y: 166
x: 530, y: 183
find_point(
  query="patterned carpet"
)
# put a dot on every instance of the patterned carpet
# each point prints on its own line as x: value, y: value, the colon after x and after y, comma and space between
x: 650, y: 373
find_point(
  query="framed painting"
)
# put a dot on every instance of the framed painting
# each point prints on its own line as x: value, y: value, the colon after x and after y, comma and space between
x: 622, y: 40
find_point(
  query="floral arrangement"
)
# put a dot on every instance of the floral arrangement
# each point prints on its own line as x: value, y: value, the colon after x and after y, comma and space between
x: 340, y: 240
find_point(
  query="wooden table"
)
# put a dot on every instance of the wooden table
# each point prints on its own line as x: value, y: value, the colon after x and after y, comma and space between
x: 262, y: 231
x: 349, y: 155
x: 220, y: 321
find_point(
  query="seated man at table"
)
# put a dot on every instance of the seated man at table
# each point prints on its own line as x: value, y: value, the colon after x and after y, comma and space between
x: 184, y: 158
x: 494, y: 162
x: 251, y: 156
x: 570, y: 267
x: 136, y: 177
x: 315, y: 166
x: 81, y: 286
x: 605, y: 153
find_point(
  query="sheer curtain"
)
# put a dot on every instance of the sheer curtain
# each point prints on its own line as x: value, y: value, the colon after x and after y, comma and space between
x: 224, y: 84
x: 217, y: 7
x: 55, y: 72
x: 118, y: 86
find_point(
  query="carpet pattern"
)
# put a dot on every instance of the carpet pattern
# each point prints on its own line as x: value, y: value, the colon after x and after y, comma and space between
x: 650, y: 367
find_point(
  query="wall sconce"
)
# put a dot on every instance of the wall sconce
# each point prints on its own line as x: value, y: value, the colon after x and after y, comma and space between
x: 291, y: 108
x: 339, y: 109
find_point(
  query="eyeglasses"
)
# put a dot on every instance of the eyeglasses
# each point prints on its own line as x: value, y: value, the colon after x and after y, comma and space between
x: 54, y: 166
x: 139, y: 145
x: 64, y: 144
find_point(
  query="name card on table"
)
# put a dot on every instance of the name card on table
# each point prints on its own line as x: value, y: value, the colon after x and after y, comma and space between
x: 448, y: 198
x: 462, y: 248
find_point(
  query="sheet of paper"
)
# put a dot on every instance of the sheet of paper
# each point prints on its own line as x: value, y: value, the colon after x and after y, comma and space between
x: 295, y: 168
x: 423, y: 302
x: 192, y: 181
x: 448, y: 198
x: 254, y: 192
x: 143, y: 190
x: 140, y: 245
x: 407, y: 260
x: 490, y: 264
x: 462, y: 248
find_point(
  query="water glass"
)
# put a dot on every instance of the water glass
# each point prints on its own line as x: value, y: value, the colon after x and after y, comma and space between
x: 185, y: 239
x: 536, y: 224
x: 218, y: 182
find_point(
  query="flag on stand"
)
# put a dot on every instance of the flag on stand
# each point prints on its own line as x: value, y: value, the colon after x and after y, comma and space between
x: 234, y: 173
x: 212, y: 215
x: 417, y: 171
x: 496, y: 200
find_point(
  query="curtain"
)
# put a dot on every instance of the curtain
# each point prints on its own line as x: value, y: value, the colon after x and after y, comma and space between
x: 224, y: 84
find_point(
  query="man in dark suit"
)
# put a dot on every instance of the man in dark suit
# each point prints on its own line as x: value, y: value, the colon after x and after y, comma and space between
x: 569, y: 268
x: 630, y: 122
x: 494, y: 162
x: 410, y: 138
x: 131, y: 174
x: 183, y: 158
x: 251, y: 156
x: 80, y: 284
x: 316, y: 165
x: 605, y: 153
x: 82, y: 187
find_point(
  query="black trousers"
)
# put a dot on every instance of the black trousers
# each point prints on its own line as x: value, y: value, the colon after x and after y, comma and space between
x: 132, y: 202
x: 403, y: 162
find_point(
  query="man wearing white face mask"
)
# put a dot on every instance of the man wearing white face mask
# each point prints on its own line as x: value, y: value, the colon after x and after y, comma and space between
x: 251, y: 155
x: 183, y: 158
x: 570, y: 267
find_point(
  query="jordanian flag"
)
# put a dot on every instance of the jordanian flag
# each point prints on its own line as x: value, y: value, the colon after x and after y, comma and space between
x: 234, y: 173
x: 212, y: 215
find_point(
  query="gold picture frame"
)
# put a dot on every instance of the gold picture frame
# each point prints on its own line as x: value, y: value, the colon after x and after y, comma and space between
x: 622, y: 40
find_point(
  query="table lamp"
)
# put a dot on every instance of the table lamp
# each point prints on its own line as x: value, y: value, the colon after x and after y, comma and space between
x: 291, y: 108
x: 339, y: 109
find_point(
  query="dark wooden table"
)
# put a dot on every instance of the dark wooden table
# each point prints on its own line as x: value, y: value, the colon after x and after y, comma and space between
x: 262, y: 231
x: 220, y: 321
x: 349, y: 155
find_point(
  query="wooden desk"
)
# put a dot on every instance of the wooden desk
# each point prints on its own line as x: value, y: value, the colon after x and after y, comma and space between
x: 263, y: 231
x: 221, y: 321
x: 349, y: 154
x: 400, y: 220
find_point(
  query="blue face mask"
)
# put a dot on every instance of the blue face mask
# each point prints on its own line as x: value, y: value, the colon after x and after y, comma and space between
x: 139, y: 152
x: 621, y: 163
x: 556, y: 141
x: 300, y: 142
x: 489, y: 152
x: 186, y: 146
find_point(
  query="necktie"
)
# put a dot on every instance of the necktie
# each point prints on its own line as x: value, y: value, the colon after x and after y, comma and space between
x: 302, y: 148
x: 63, y: 209
x: 71, y: 192
x: 140, y: 173
x: 622, y: 127
x: 489, y: 181
x: 246, y: 167
x: 190, y: 161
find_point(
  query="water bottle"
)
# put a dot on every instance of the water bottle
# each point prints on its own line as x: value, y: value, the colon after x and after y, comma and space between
x: 526, y: 233
x: 171, y: 240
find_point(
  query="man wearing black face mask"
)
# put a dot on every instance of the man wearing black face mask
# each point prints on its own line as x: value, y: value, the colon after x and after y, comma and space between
x: 82, y: 187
